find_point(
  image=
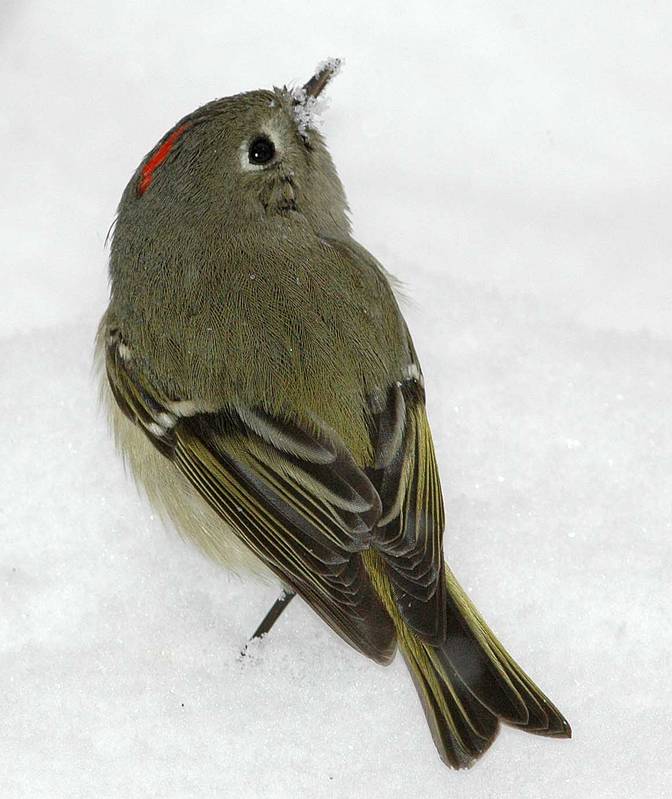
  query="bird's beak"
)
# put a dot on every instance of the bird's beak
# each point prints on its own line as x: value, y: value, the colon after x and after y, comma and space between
x: 324, y: 73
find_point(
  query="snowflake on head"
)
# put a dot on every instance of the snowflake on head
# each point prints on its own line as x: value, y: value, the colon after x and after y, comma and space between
x: 307, y: 103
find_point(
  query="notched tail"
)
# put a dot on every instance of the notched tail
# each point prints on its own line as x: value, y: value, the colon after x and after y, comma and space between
x: 470, y: 683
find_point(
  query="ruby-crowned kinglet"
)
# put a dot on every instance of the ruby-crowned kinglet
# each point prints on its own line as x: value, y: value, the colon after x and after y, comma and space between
x: 264, y: 388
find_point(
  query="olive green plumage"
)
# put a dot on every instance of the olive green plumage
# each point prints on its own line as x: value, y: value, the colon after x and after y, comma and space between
x: 265, y: 391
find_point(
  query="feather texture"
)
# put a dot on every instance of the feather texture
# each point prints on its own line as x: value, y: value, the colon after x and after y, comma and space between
x: 363, y: 546
x: 294, y: 496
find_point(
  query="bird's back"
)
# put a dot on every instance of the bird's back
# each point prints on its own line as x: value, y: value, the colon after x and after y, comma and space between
x: 304, y: 312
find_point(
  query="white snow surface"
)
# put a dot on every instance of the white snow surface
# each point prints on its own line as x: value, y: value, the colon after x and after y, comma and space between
x: 510, y: 162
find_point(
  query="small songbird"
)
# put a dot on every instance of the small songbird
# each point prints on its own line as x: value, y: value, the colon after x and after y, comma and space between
x: 265, y: 391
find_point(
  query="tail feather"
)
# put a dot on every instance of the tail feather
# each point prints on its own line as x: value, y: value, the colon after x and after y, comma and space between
x: 462, y: 728
x: 471, y: 683
x: 541, y: 717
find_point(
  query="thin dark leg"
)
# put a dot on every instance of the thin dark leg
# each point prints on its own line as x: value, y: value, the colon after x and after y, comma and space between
x: 272, y: 616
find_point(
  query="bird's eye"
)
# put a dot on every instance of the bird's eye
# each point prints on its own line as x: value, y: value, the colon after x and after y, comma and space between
x: 261, y: 150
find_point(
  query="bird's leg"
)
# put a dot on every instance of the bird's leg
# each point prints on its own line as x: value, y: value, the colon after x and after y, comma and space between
x: 272, y: 616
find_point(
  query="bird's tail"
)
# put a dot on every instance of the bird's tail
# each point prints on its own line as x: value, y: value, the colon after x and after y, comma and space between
x: 470, y: 683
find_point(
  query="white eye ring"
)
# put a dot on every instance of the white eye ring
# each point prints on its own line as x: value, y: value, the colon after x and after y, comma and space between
x: 244, y: 151
x: 267, y: 131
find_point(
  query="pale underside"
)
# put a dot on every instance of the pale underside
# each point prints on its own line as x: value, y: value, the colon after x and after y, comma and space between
x: 171, y: 493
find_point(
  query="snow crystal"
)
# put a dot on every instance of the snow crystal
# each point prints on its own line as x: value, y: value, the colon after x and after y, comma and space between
x: 308, y: 110
x: 333, y: 65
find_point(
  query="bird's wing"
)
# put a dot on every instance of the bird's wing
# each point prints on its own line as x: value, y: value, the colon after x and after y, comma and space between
x: 409, y: 533
x: 294, y: 495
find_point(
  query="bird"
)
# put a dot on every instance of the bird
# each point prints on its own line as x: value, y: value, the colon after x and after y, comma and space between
x: 263, y: 387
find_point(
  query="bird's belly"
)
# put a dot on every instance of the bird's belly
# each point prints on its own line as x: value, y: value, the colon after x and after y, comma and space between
x: 174, y: 498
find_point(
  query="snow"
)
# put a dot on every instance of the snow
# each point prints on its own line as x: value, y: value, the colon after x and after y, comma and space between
x: 510, y: 162
x: 308, y: 110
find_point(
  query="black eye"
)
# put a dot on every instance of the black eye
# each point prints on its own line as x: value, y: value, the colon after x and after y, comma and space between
x: 261, y: 150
